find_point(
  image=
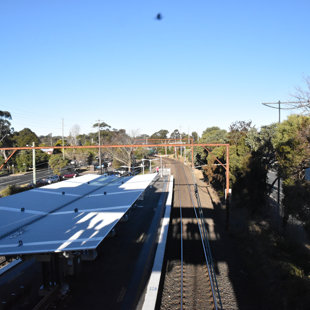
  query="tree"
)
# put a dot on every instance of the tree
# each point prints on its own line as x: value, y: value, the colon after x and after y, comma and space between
x: 161, y: 134
x: 101, y: 125
x: 56, y: 162
x: 214, y: 135
x: 5, y: 125
x: 23, y: 159
x: 262, y: 143
x: 175, y: 134
x: 5, y: 130
x: 238, y: 131
x: 303, y: 96
x: 124, y: 155
x: 210, y: 135
x: 292, y: 147
x: 21, y: 138
x: 74, y: 132
x: 25, y: 137
x: 195, y: 136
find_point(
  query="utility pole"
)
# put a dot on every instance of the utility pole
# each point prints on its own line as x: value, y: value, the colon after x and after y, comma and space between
x: 34, y: 164
x: 100, y: 165
x: 290, y: 105
x: 181, y: 146
x: 63, y: 141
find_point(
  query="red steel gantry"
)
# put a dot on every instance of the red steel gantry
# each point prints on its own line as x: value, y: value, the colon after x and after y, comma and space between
x: 171, y: 144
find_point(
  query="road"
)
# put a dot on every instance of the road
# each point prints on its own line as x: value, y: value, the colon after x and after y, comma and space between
x: 23, y: 178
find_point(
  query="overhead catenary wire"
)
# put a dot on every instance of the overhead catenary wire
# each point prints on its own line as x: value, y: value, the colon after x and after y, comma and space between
x: 205, y: 245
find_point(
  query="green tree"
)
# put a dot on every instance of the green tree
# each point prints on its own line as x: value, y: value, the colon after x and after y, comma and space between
x: 175, y: 134
x: 292, y: 147
x: 101, y: 125
x: 161, y: 134
x: 210, y: 135
x: 214, y: 135
x: 293, y: 156
x: 195, y: 136
x: 5, y: 131
x: 25, y: 137
x: 5, y: 125
x: 141, y: 152
x: 24, y: 160
x: 56, y: 162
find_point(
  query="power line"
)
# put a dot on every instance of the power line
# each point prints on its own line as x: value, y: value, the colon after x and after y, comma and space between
x: 292, y: 105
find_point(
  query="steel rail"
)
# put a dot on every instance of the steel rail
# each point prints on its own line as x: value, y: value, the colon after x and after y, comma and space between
x: 181, y: 237
x: 207, y: 244
x: 206, y: 250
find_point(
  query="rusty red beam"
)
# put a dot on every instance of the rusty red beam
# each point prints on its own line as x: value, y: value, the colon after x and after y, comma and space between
x: 107, y: 146
x: 8, y: 159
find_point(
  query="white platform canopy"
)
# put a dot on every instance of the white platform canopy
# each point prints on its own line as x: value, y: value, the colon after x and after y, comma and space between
x: 75, y: 214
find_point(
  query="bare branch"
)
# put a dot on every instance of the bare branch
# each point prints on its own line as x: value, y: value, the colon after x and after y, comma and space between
x: 303, y: 96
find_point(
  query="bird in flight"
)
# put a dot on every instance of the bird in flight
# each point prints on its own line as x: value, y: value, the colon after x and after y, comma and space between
x: 159, y: 16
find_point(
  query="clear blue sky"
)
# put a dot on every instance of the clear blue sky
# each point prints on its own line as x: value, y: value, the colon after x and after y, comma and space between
x: 206, y: 63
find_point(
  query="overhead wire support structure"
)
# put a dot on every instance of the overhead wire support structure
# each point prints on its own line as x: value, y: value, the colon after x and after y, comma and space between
x: 290, y: 105
x: 106, y: 146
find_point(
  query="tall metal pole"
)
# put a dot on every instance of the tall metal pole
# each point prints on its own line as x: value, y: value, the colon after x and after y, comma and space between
x: 100, y: 165
x: 279, y: 180
x: 63, y: 141
x: 192, y: 155
x: 227, y: 171
x: 180, y: 146
x: 34, y: 164
x: 277, y: 105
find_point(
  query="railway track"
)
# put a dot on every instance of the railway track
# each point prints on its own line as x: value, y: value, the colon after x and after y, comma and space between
x: 190, y: 281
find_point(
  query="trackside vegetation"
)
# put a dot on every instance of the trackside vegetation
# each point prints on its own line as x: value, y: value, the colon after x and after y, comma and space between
x: 275, y: 258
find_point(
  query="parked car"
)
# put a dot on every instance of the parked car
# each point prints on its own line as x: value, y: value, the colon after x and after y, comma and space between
x: 53, y: 179
x: 39, y: 182
x: 70, y: 175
